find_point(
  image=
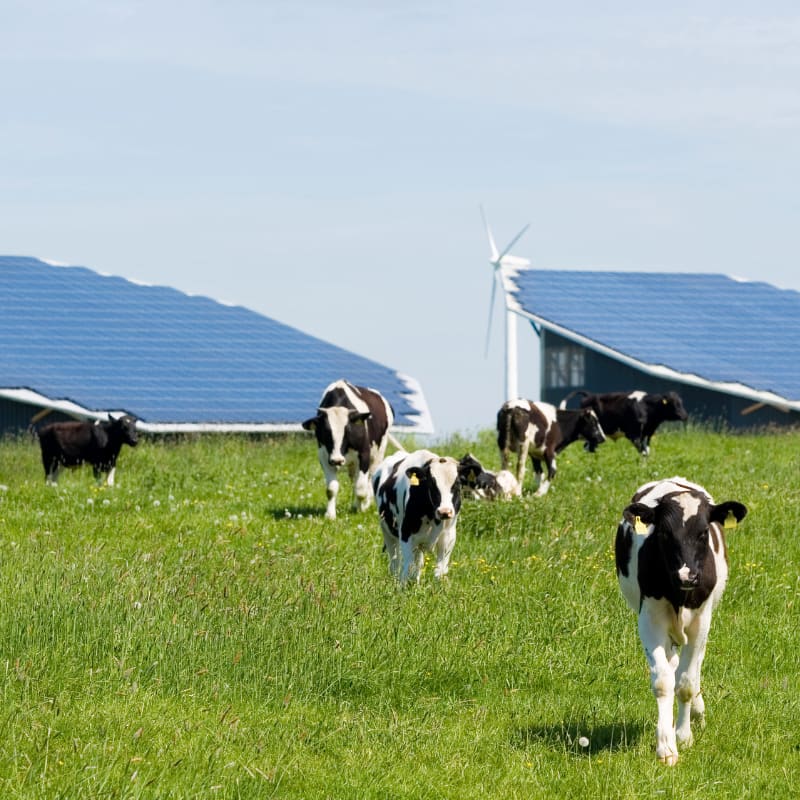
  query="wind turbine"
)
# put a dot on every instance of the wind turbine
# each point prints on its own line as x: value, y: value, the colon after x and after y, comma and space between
x: 504, y: 264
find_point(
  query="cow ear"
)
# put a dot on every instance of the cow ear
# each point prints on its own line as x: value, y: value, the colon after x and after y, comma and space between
x: 639, y: 516
x: 310, y: 424
x: 469, y: 468
x: 728, y: 514
x: 414, y: 474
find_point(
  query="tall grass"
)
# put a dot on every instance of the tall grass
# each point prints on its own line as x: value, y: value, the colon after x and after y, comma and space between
x: 202, y: 631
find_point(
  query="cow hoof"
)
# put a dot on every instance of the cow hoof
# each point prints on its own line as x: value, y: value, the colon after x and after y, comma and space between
x: 669, y: 759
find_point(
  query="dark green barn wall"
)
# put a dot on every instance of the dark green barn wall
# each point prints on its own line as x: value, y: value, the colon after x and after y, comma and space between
x: 16, y: 417
x: 604, y: 374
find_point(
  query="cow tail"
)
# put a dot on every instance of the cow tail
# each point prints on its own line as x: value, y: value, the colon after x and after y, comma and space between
x: 563, y: 404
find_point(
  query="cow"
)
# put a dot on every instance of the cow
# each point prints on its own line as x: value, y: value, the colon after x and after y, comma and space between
x: 634, y: 415
x: 541, y: 431
x: 418, y: 496
x: 672, y: 566
x: 351, y: 427
x: 484, y: 484
x: 70, y: 444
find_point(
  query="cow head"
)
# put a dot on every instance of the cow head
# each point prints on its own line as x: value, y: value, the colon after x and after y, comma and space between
x: 680, y: 522
x: 672, y: 407
x: 125, y: 428
x: 589, y: 428
x: 470, y: 471
x: 439, y: 482
x: 338, y: 429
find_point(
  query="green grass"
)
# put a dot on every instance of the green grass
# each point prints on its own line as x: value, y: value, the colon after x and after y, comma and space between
x: 201, y: 631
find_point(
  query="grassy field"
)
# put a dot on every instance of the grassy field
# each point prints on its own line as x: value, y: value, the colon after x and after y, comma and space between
x: 200, y: 631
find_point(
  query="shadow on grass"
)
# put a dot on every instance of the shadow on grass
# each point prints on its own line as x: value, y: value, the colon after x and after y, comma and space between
x: 580, y: 737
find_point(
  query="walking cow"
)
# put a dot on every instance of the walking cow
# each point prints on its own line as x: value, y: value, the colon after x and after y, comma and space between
x: 542, y: 431
x: 672, y: 568
x: 351, y: 426
x: 419, y: 497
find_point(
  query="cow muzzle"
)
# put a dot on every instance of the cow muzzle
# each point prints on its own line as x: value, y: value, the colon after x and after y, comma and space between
x: 445, y: 512
x: 336, y: 461
x: 687, y: 579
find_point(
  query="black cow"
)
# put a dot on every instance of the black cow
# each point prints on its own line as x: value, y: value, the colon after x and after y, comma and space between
x: 541, y: 431
x: 351, y: 426
x: 672, y: 568
x: 419, y: 497
x: 70, y: 444
x: 634, y: 415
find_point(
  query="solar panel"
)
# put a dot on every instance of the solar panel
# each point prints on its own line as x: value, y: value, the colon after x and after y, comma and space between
x: 106, y: 343
x: 720, y: 329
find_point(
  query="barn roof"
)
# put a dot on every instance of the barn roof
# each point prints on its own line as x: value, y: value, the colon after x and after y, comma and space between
x: 85, y: 343
x: 711, y: 330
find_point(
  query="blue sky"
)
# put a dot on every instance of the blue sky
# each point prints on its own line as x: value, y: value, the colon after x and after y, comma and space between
x: 324, y: 163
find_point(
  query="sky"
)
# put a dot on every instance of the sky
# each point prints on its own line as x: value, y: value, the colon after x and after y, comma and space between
x: 325, y: 163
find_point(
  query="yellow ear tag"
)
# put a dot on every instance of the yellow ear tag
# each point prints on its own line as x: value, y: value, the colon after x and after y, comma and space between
x: 413, y: 480
x: 639, y: 526
x: 730, y: 521
x: 471, y: 476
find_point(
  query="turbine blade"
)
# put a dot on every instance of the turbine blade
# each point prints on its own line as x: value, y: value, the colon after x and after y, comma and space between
x: 513, y: 242
x: 492, y: 246
x: 491, y: 309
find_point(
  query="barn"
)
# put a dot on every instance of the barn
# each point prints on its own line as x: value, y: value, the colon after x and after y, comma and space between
x: 728, y: 346
x: 75, y: 343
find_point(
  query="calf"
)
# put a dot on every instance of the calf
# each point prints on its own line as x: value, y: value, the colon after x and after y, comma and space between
x: 487, y: 485
x: 70, y: 444
x: 419, y: 497
x: 351, y: 426
x: 541, y: 431
x: 634, y: 415
x: 672, y: 568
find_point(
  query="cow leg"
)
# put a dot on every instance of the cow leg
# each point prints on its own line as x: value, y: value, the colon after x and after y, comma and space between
x: 444, y: 549
x: 522, y: 462
x: 413, y: 560
x: 362, y: 490
x: 662, y: 661
x: 544, y: 485
x: 51, y: 473
x: 690, y: 699
x: 110, y: 478
x: 331, y: 483
x: 392, y: 545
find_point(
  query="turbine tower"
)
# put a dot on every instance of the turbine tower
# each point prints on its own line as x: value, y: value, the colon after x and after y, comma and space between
x: 505, y: 265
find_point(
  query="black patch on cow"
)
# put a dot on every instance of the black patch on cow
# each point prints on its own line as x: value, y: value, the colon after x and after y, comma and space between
x: 623, y: 545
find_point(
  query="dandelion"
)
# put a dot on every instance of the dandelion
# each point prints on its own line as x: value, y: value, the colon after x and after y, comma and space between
x: 89, y: 501
x: 583, y: 741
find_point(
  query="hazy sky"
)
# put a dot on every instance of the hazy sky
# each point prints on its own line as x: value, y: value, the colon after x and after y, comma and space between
x: 324, y: 163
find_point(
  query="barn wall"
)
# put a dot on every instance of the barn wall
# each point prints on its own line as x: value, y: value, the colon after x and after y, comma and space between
x: 603, y: 374
x: 15, y: 417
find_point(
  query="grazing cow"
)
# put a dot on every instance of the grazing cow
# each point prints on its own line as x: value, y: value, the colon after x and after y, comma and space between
x: 541, y: 431
x: 484, y: 484
x: 351, y: 427
x: 70, y: 444
x: 419, y: 497
x: 634, y: 415
x: 672, y: 568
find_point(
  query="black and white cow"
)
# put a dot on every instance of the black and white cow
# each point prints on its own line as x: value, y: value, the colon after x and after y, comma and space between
x: 484, y: 484
x: 634, y: 415
x: 70, y: 444
x: 419, y: 497
x: 351, y: 426
x: 672, y: 568
x: 541, y: 430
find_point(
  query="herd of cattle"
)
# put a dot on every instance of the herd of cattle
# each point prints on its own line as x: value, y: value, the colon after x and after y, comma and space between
x: 671, y: 557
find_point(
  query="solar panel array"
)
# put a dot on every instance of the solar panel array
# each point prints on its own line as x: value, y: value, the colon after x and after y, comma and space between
x: 107, y: 343
x: 709, y: 325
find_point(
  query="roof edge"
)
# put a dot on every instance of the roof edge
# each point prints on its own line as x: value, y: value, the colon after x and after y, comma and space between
x: 661, y: 371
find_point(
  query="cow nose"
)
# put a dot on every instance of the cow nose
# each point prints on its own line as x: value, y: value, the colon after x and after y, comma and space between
x: 444, y: 512
x: 687, y: 578
x: 336, y: 461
